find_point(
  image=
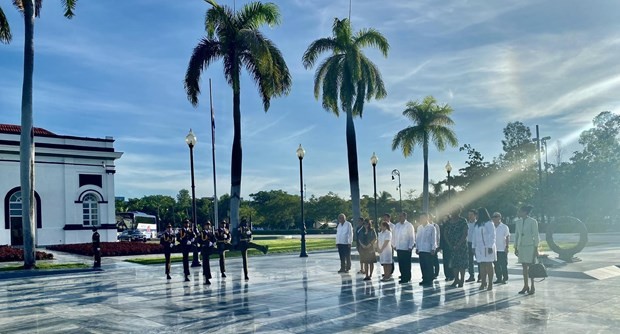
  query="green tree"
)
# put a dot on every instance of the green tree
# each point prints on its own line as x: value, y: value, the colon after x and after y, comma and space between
x: 519, y: 149
x: 276, y: 208
x: 431, y: 123
x: 351, y: 78
x: 30, y: 10
x: 233, y: 36
x: 183, y: 208
x: 325, y: 208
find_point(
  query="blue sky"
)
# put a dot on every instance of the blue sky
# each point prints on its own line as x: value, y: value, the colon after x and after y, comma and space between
x: 117, y: 69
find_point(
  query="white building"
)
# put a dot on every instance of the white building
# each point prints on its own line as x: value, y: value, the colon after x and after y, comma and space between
x: 74, y: 187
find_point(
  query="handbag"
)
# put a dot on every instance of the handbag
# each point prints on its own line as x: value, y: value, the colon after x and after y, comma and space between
x: 537, y: 270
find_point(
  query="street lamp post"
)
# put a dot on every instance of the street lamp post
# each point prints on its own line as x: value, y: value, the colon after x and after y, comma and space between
x: 541, y: 197
x: 449, y: 170
x: 300, y: 155
x: 400, y: 194
x: 190, y: 139
x: 373, y: 162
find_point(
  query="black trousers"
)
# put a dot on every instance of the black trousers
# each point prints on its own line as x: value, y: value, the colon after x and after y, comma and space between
x: 435, y: 265
x: 185, y: 252
x: 344, y: 251
x: 97, y: 263
x: 447, y: 271
x: 222, y: 247
x: 426, y: 266
x: 167, y: 256
x: 470, y: 259
x: 404, y: 264
x: 501, y: 266
x: 206, y: 267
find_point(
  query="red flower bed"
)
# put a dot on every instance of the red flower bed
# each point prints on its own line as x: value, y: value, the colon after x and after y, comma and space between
x: 9, y: 254
x: 111, y: 248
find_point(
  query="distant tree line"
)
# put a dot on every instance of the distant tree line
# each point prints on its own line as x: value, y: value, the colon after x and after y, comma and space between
x: 586, y: 186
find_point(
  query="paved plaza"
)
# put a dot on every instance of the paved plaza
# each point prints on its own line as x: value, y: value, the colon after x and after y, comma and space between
x: 288, y: 294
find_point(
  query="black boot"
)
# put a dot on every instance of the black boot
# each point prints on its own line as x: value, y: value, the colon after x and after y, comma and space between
x: 168, y: 276
x: 186, y: 278
x: 265, y: 249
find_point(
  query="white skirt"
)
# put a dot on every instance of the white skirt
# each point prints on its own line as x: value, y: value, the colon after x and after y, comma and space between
x: 483, y: 256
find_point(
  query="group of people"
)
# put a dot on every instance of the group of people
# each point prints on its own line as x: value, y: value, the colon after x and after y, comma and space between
x: 481, y: 238
x: 209, y: 241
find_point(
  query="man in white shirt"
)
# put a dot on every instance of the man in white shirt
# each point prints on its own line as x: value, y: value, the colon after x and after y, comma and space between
x: 426, y: 246
x: 472, y: 217
x: 502, y: 240
x: 344, y: 239
x: 404, y: 240
x: 438, y: 238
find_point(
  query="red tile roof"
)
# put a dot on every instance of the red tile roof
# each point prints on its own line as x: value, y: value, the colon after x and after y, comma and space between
x: 16, y: 129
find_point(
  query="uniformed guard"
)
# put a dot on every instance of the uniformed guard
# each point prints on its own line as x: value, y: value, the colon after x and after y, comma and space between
x: 167, y: 242
x: 207, y: 242
x: 223, y: 238
x: 245, y: 242
x: 96, y: 248
x: 186, y: 238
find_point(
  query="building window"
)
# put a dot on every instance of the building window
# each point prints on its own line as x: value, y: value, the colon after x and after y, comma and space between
x: 90, y: 179
x: 13, y: 208
x: 90, y: 210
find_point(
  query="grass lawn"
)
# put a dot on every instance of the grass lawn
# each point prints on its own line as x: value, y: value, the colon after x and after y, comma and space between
x: 276, y: 246
x: 45, y: 266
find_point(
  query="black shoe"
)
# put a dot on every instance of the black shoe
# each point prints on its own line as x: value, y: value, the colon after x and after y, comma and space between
x: 168, y: 277
x: 367, y: 278
x: 341, y: 271
x: 207, y: 282
x: 471, y: 279
x: 186, y: 278
x: 265, y: 249
x: 223, y: 275
x: 498, y: 282
x: 247, y: 278
x: 403, y: 282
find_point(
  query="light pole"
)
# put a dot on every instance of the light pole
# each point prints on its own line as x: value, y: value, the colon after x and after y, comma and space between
x: 190, y: 139
x: 216, y: 216
x: 373, y: 162
x: 400, y: 194
x: 300, y: 155
x: 449, y: 170
x: 540, y: 188
x: 544, y: 142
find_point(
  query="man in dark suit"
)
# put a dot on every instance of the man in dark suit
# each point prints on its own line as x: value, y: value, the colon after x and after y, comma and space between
x: 223, y: 238
x: 245, y: 243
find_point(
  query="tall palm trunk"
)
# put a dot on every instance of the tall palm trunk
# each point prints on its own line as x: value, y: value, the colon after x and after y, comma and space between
x: 26, y: 149
x: 354, y: 179
x: 236, y: 160
x: 425, y: 186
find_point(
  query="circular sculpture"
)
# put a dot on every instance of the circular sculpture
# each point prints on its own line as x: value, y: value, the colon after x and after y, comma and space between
x: 567, y: 224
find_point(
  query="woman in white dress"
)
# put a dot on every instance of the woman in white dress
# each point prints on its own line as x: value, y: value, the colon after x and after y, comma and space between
x: 485, y: 248
x: 385, y: 250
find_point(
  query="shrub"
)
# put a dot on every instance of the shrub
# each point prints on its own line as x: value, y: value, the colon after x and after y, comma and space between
x: 9, y: 254
x: 111, y: 248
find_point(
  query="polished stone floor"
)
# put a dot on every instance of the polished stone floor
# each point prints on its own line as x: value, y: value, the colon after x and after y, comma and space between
x: 288, y: 294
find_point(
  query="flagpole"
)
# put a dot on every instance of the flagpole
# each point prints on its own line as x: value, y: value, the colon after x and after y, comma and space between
x: 216, y: 223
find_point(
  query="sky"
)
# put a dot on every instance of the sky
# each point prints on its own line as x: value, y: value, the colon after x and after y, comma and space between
x: 117, y: 69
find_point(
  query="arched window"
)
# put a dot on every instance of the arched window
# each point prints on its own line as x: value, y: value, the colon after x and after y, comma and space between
x: 90, y: 210
x: 13, y: 208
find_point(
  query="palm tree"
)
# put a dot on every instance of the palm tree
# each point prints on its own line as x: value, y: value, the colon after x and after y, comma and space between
x: 30, y: 9
x: 430, y: 123
x: 349, y: 77
x: 233, y: 36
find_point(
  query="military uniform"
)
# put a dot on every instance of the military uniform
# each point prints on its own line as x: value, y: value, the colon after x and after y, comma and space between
x: 167, y: 242
x: 207, y: 241
x: 186, y: 238
x: 96, y: 248
x: 223, y: 238
x: 245, y: 243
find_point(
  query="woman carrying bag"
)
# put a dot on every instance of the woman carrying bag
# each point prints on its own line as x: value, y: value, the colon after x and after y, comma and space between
x: 526, y: 246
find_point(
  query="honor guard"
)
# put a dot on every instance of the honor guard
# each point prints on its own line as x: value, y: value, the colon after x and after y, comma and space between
x: 223, y: 237
x: 96, y: 248
x: 245, y: 242
x: 207, y: 241
x: 186, y: 238
x: 167, y: 242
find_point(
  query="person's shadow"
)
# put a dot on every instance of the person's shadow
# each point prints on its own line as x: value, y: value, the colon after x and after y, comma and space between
x: 345, y: 298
